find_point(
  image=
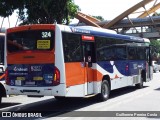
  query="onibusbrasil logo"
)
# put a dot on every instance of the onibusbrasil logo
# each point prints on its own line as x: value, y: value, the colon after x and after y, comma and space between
x: 20, y: 69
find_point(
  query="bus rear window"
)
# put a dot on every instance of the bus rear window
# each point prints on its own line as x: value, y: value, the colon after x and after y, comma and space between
x: 2, y: 50
x: 30, y: 40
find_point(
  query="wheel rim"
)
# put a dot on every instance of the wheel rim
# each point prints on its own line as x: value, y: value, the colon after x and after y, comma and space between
x: 105, y: 91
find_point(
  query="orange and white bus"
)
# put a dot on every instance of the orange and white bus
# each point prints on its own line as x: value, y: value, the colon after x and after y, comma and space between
x: 64, y: 61
x: 2, y: 67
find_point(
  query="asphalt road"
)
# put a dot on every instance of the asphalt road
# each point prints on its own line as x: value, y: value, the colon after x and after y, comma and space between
x: 123, y: 102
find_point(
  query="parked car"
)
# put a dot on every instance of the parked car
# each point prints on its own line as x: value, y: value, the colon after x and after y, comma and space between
x: 156, y: 66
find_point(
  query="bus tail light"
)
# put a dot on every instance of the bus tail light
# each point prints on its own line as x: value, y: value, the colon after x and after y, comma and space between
x: 127, y: 67
x: 56, y: 80
x: 7, y: 77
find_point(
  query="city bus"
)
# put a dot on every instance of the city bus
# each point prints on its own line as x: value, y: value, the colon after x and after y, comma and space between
x: 2, y: 67
x: 65, y: 61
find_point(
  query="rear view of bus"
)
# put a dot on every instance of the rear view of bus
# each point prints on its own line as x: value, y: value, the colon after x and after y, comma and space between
x: 2, y: 61
x: 31, y: 66
x: 64, y: 61
x: 2, y: 67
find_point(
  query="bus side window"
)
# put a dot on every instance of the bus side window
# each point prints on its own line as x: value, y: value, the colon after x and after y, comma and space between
x: 100, y: 54
x: 106, y: 53
x: 72, y: 47
x: 109, y: 53
x: 132, y: 53
x: 121, y: 53
x: 141, y: 53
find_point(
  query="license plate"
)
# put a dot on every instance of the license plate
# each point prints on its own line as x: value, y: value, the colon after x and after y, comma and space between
x: 18, y: 82
x: 20, y: 78
x: 37, y: 78
x: 30, y: 83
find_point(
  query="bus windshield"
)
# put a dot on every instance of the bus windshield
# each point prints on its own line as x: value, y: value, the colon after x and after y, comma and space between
x: 1, y: 50
x: 30, y: 40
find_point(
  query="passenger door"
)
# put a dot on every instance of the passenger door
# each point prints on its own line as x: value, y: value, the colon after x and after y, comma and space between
x: 149, y: 64
x: 89, y: 59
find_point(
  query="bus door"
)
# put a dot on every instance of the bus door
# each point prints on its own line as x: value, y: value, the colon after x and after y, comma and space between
x: 89, y: 59
x: 149, y: 67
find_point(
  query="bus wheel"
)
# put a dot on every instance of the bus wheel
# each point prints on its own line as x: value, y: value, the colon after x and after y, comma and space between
x: 59, y: 98
x: 140, y: 85
x: 105, y: 91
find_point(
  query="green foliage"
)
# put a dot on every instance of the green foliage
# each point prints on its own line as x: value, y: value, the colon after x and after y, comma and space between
x: 156, y: 14
x: 155, y: 49
x: 40, y: 11
x: 156, y: 44
x: 99, y: 18
x: 7, y: 7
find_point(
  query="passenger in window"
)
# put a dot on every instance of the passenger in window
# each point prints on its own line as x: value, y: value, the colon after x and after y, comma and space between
x: 131, y: 54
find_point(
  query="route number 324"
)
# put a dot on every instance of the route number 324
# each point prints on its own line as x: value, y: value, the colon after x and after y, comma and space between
x: 46, y: 34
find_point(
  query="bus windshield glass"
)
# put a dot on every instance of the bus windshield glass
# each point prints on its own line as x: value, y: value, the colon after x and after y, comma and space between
x: 30, y: 40
x: 1, y: 50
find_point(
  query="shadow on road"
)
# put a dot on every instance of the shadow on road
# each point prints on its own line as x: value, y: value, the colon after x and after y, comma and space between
x: 122, y: 91
x: 157, y: 89
x: 53, y: 107
x: 7, y: 104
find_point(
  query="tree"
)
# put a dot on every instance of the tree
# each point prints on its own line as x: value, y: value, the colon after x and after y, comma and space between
x: 7, y: 7
x: 40, y: 11
x: 99, y: 18
x: 156, y: 44
x: 155, y: 49
x: 156, y: 14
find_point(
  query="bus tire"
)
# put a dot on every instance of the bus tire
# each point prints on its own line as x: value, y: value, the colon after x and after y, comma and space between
x: 59, y: 98
x: 140, y: 85
x: 105, y: 91
x: 2, y: 92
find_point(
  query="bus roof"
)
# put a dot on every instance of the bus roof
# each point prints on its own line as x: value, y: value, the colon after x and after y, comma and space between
x: 97, y: 29
x: 104, y: 33
x: 146, y: 40
x: 82, y: 29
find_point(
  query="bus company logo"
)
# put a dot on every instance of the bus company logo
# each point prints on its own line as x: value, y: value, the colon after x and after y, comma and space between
x: 80, y: 30
x: 20, y: 69
x: 140, y: 66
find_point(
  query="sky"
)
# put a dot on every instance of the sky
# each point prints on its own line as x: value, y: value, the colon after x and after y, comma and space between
x: 108, y: 9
